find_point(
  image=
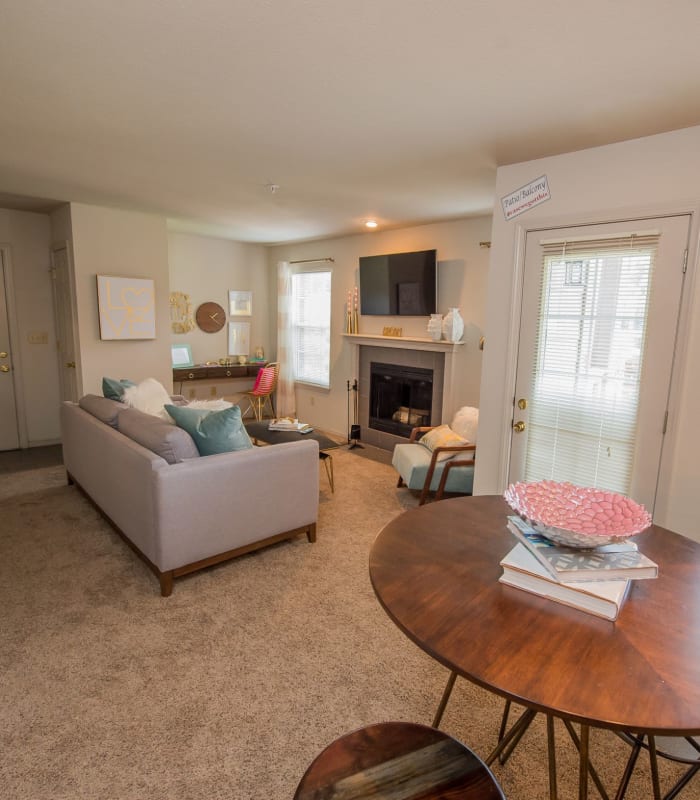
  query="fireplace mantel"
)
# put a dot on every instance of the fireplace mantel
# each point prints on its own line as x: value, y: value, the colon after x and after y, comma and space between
x: 409, y: 342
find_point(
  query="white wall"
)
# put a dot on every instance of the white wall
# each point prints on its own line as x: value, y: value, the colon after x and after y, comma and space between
x: 109, y: 241
x: 643, y: 177
x: 28, y: 236
x: 462, y: 266
x: 206, y: 268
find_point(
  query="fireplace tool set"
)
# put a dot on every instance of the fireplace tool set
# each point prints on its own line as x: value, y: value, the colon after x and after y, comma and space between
x: 354, y: 428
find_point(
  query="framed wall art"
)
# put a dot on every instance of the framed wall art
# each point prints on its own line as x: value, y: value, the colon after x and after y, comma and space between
x: 240, y: 304
x: 127, y: 308
x: 238, y: 338
x: 181, y: 317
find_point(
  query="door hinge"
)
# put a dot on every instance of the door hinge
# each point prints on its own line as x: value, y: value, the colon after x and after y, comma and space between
x: 685, y: 261
x: 665, y: 425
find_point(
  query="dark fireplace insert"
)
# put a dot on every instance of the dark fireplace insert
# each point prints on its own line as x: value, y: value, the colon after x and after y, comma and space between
x: 400, y: 398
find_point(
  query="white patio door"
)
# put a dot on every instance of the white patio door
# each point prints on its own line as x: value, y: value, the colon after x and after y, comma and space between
x: 599, y: 316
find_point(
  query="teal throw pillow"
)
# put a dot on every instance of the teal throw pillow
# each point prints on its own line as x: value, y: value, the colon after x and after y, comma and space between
x: 114, y: 389
x: 213, y: 431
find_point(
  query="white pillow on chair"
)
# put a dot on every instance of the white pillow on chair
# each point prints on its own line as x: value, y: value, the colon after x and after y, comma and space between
x: 465, y: 423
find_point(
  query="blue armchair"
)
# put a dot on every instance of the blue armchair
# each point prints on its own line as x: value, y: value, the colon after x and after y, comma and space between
x: 442, y: 461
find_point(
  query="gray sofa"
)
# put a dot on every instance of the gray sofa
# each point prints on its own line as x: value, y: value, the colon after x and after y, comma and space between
x: 180, y: 511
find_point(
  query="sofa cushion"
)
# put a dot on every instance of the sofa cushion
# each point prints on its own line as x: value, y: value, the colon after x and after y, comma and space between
x: 114, y: 389
x: 213, y: 431
x: 160, y: 437
x: 149, y: 396
x: 103, y: 408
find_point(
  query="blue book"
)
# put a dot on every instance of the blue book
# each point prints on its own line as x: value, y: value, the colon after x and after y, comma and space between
x: 605, y: 562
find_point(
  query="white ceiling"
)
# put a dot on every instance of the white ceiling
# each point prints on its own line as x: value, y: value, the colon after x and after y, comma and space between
x: 394, y: 109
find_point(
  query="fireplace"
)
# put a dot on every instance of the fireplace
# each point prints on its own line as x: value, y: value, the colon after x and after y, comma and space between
x: 406, y: 355
x: 400, y: 398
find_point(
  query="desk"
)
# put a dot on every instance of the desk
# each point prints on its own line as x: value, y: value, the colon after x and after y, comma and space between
x: 214, y: 374
x: 435, y: 571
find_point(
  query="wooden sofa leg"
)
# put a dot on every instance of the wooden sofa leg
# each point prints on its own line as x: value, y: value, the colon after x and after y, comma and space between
x: 400, y: 483
x: 166, y: 583
x: 311, y: 533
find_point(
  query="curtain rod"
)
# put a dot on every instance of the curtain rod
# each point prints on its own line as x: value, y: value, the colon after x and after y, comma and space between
x: 312, y: 261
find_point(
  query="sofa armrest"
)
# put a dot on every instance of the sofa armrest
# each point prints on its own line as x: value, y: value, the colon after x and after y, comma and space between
x: 216, y: 503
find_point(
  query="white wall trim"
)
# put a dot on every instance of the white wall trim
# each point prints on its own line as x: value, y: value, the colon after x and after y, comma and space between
x: 13, y: 327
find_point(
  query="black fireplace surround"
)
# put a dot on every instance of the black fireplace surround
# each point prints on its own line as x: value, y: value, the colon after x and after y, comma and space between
x: 400, y: 398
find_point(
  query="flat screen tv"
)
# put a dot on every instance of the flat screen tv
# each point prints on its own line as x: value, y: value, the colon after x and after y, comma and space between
x: 399, y: 284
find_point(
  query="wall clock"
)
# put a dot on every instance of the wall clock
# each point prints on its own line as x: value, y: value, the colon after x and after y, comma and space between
x: 210, y: 317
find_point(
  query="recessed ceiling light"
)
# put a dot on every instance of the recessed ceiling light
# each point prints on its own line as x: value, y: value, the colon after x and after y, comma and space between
x: 371, y: 223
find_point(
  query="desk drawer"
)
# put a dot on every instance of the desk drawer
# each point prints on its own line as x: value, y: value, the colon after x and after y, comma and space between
x: 190, y: 374
x: 234, y: 371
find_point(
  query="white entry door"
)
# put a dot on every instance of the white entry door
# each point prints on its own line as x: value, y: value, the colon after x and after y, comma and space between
x: 597, y: 338
x: 9, y: 430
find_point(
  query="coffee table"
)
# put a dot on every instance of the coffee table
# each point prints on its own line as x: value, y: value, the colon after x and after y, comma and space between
x: 259, y: 432
x: 435, y: 571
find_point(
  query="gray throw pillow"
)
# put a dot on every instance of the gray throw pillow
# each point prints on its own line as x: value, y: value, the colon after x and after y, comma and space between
x: 160, y: 437
x: 103, y: 408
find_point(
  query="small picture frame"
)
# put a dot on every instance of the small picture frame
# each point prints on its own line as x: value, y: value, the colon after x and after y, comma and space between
x: 240, y: 304
x: 181, y: 356
x: 238, y: 338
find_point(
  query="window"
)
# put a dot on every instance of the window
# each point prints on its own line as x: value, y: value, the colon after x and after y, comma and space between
x: 311, y: 327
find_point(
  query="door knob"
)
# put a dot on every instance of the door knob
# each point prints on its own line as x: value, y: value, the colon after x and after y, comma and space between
x: 3, y: 354
x: 70, y: 364
x: 4, y: 368
x: 519, y: 426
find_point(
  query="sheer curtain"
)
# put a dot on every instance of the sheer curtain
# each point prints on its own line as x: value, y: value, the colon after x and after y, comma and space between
x: 286, y: 398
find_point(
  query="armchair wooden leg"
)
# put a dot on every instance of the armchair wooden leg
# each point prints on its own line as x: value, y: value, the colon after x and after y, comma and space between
x: 400, y: 483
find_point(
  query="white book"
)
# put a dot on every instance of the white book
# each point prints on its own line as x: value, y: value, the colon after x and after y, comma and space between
x: 603, y: 598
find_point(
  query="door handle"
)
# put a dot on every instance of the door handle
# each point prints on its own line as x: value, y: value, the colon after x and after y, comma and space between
x: 519, y: 426
x: 70, y: 364
x: 4, y: 368
x: 3, y: 354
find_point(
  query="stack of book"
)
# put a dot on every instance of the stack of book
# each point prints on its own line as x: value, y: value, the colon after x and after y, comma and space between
x: 289, y: 424
x: 597, y: 580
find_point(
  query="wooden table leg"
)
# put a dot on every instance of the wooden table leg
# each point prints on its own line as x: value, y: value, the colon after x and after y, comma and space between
x: 551, y: 758
x: 443, y: 700
x: 583, y: 764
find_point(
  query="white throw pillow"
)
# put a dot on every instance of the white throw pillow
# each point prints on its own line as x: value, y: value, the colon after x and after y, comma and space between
x: 149, y: 396
x: 465, y: 423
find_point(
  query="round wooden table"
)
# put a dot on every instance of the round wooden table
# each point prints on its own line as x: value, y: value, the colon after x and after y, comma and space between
x: 401, y: 761
x: 435, y: 571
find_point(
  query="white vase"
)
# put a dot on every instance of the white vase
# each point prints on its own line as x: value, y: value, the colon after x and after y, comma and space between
x: 435, y: 327
x: 453, y: 325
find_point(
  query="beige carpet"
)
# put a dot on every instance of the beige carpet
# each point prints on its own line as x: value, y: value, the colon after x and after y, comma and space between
x: 229, y: 688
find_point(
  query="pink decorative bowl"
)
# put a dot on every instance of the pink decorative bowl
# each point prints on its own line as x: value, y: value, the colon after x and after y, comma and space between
x: 577, y: 516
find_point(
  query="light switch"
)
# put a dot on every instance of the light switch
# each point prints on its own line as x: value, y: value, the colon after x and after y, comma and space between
x: 38, y: 337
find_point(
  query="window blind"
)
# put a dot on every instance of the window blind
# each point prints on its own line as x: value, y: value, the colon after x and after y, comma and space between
x: 311, y: 326
x: 594, y: 298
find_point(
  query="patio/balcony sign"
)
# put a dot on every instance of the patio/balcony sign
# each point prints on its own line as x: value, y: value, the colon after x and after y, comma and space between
x: 526, y: 197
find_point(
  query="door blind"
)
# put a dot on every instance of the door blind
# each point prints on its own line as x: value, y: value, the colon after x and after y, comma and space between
x: 594, y: 299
